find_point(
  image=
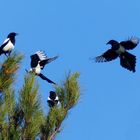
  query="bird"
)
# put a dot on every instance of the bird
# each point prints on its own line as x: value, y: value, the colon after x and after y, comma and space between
x: 53, y: 99
x: 38, y: 62
x: 119, y: 49
x: 9, y: 44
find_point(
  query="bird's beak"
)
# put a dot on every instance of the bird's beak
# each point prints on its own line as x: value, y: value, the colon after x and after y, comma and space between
x: 16, y: 33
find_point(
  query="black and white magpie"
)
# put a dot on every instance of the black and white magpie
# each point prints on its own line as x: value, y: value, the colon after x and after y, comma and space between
x: 53, y: 99
x: 8, y: 44
x: 38, y: 62
x: 127, y: 60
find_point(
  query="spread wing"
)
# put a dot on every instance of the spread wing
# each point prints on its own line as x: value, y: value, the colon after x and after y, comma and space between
x: 130, y: 44
x: 41, y: 55
x: 46, y: 61
x: 37, y: 57
x: 109, y: 55
x: 34, y: 60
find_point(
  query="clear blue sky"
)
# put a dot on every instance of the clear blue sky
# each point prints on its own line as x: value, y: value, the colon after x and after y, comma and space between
x: 109, y: 108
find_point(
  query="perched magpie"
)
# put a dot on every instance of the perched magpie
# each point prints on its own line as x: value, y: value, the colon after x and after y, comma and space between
x: 38, y: 62
x: 53, y: 99
x: 127, y: 60
x: 8, y: 44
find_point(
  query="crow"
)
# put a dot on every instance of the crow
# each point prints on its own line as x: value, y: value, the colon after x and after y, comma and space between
x: 8, y: 44
x: 119, y: 49
x: 38, y: 62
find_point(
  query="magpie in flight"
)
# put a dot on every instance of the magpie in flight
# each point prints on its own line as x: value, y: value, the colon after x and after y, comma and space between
x: 8, y: 44
x: 127, y: 60
x: 53, y: 99
x: 38, y: 62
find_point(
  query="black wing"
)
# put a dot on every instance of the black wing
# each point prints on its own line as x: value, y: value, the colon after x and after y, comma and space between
x: 34, y: 60
x: 130, y: 44
x: 128, y: 61
x: 45, y: 78
x: 109, y: 55
x: 3, y: 45
x: 48, y: 60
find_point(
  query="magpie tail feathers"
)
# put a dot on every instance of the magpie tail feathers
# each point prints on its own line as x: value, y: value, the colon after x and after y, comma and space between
x: 128, y: 61
x: 47, y: 79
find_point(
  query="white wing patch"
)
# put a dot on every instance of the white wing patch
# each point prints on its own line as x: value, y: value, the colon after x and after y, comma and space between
x: 9, y: 46
x: 56, y: 98
x: 49, y: 99
x: 100, y: 59
x: 41, y: 55
x: 135, y: 40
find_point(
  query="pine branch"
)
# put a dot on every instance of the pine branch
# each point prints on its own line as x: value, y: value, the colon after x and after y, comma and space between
x: 7, y: 77
x: 30, y: 105
x: 8, y: 71
x: 69, y: 94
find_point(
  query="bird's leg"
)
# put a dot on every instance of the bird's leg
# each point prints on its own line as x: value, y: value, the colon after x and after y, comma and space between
x: 26, y: 70
x: 9, y: 53
x: 6, y: 54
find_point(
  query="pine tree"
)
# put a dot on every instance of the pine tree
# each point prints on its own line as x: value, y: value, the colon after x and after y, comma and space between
x: 23, y: 117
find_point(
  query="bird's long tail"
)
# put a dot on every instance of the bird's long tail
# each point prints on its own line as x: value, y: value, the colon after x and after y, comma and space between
x: 45, y: 78
x: 128, y: 61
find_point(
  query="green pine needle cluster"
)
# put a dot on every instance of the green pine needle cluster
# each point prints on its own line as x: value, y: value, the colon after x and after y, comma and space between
x: 68, y: 93
x: 24, y: 118
x: 8, y: 70
x: 29, y: 102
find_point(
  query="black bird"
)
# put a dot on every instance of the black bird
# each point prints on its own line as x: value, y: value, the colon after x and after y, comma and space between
x: 8, y: 45
x: 127, y: 60
x: 53, y: 99
x: 38, y: 62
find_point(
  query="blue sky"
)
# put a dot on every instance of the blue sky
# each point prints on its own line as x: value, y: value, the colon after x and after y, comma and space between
x: 109, y: 107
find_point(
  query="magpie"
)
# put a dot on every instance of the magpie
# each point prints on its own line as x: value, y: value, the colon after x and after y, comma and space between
x: 53, y: 99
x: 8, y: 44
x: 119, y: 49
x: 38, y: 62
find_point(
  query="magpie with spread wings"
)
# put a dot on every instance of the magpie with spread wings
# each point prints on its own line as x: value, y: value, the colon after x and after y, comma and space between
x: 127, y: 60
x: 38, y: 62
